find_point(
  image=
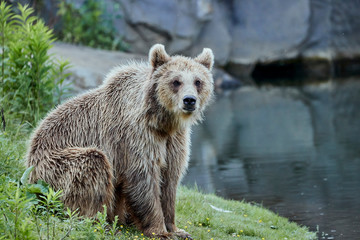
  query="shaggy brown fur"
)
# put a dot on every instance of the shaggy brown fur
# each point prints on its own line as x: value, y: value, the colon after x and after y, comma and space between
x: 126, y: 143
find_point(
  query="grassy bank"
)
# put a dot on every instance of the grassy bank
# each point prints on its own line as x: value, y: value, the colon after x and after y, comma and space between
x: 210, y: 217
x: 204, y: 216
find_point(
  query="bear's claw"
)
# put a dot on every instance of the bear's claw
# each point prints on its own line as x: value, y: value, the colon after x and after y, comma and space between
x: 181, y: 234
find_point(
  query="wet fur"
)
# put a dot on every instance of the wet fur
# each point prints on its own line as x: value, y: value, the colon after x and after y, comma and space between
x: 126, y: 143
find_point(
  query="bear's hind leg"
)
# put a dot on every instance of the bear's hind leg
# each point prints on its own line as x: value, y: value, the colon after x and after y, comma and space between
x: 119, y: 208
x: 85, y: 176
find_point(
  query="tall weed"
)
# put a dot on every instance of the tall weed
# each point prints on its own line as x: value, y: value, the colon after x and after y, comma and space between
x: 30, y: 79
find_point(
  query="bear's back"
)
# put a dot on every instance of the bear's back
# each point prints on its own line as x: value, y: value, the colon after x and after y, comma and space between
x: 81, y: 120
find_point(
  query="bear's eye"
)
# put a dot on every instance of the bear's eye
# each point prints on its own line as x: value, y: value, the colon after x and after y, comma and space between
x: 176, y: 83
x: 197, y: 82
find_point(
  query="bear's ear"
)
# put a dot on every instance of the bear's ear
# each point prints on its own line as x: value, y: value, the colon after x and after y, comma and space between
x: 158, y: 56
x: 206, y: 58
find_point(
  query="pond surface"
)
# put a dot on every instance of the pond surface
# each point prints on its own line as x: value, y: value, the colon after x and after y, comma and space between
x: 296, y: 150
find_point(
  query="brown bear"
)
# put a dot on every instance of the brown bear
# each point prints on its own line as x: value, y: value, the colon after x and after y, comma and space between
x: 126, y: 143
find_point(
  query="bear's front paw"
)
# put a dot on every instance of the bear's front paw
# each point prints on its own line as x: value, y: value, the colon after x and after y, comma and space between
x: 181, y: 234
x: 158, y: 235
x: 165, y: 236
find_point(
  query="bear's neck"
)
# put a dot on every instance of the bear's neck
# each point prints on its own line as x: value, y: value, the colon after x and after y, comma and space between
x: 162, y: 122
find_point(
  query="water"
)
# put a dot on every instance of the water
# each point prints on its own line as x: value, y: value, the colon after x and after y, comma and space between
x: 296, y: 150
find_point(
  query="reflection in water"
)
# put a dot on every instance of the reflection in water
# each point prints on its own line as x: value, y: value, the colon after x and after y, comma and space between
x: 296, y: 150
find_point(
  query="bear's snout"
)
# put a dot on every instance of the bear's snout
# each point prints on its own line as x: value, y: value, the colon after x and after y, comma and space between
x: 189, y: 103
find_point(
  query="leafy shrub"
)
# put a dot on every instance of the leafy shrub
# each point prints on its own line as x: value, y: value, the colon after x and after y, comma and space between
x: 30, y: 79
x: 34, y: 211
x: 23, y: 212
x: 88, y: 25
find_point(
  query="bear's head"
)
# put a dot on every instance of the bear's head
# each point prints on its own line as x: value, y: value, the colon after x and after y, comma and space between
x: 184, y: 86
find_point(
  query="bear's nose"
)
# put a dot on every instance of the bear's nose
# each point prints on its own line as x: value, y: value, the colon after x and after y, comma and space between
x: 189, y: 101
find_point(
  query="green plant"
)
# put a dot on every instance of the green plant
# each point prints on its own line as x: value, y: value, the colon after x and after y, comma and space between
x: 70, y: 221
x: 5, y: 30
x: 102, y: 225
x: 30, y: 79
x: 18, y: 223
x: 51, y: 206
x: 26, y: 207
x: 16, y: 205
x: 88, y: 25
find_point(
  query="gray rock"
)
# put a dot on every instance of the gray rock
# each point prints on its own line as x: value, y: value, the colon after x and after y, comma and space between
x: 318, y: 40
x: 345, y: 28
x: 240, y: 33
x: 172, y: 23
x: 224, y: 81
x: 204, y: 9
x: 89, y: 66
x: 267, y: 29
x: 179, y: 45
x: 216, y: 35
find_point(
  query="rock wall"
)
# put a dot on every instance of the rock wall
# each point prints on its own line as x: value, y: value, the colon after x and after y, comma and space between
x: 237, y: 31
x: 244, y: 31
x: 241, y: 32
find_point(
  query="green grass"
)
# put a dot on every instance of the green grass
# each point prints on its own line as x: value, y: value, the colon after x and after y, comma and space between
x: 12, y: 149
x: 196, y: 214
x: 23, y: 218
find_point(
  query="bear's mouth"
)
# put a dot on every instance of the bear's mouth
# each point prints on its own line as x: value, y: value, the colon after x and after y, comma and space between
x: 188, y: 109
